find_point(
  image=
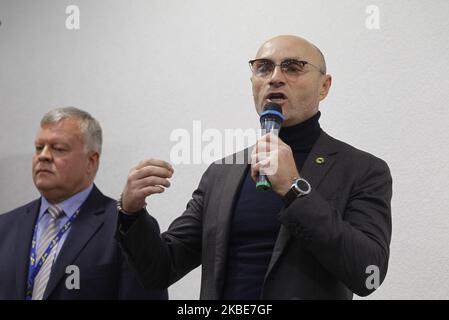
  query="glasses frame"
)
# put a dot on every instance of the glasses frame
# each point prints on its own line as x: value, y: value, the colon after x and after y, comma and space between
x: 251, y: 62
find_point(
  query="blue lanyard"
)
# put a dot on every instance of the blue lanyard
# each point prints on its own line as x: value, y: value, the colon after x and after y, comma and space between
x: 35, y: 266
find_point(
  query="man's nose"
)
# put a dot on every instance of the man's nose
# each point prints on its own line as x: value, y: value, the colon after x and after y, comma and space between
x: 277, y: 78
x: 45, y: 154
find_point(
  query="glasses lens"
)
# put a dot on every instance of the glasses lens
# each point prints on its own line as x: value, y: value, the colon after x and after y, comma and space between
x: 293, y: 67
x: 262, y: 67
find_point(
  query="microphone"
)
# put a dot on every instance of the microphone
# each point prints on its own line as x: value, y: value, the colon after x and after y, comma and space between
x: 270, y: 120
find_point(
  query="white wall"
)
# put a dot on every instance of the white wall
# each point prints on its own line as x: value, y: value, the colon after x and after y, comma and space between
x: 389, y: 97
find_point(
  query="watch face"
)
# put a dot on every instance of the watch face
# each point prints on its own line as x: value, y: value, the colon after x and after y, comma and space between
x: 303, y: 186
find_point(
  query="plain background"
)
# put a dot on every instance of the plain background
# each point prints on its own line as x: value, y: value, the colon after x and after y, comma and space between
x: 146, y: 68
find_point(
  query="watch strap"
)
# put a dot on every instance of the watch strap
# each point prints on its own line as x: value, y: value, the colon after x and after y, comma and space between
x: 295, y: 192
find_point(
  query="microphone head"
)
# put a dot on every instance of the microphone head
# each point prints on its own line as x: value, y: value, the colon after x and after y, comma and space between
x: 273, y: 111
x: 272, y: 106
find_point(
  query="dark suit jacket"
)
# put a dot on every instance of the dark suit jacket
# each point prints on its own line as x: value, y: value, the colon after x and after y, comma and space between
x: 327, y: 240
x: 90, y: 245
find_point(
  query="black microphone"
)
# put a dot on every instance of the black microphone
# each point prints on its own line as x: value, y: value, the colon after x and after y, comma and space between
x: 270, y: 120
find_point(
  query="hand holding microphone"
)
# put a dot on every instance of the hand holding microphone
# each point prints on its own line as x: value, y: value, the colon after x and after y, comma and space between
x: 273, y: 165
x: 270, y: 122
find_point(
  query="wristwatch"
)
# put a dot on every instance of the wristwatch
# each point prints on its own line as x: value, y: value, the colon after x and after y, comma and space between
x: 299, y: 188
x: 120, y: 207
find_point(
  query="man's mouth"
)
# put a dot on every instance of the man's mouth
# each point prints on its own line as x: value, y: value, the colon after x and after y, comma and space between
x: 43, y: 171
x: 276, y: 97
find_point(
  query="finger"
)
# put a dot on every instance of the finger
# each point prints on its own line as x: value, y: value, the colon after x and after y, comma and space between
x: 254, y: 154
x: 263, y: 164
x: 151, y: 181
x: 262, y: 146
x: 254, y: 172
x: 265, y: 137
x: 154, y: 171
x: 256, y: 157
x: 154, y: 162
x: 257, y: 167
x: 148, y: 191
x: 271, y: 137
x: 253, y: 158
x: 259, y: 152
x: 151, y: 171
x: 276, y: 143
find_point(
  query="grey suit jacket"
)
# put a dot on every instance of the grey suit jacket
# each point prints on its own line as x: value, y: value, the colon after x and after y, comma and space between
x: 331, y: 243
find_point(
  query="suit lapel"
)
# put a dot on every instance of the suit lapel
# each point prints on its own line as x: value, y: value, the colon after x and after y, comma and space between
x: 313, y: 171
x: 319, y: 161
x: 90, y: 219
x: 233, y: 180
x: 25, y: 230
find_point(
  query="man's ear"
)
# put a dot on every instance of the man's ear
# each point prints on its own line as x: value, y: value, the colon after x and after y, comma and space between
x: 94, y: 159
x: 325, y: 86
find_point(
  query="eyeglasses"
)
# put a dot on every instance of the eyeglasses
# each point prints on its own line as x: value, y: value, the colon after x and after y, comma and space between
x: 292, y: 68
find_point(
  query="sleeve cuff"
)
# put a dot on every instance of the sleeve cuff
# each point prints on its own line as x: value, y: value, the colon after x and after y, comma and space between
x: 126, y: 221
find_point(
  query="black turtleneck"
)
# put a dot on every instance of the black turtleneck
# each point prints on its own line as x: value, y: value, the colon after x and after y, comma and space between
x: 255, y: 225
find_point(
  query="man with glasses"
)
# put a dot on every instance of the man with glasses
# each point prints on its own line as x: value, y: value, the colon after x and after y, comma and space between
x: 322, y: 231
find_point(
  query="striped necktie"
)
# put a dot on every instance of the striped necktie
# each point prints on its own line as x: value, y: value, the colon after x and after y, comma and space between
x: 41, y: 280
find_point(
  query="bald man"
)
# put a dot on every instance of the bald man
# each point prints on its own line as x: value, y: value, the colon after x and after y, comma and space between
x: 323, y: 230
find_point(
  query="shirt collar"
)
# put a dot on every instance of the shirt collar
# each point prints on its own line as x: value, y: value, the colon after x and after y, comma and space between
x: 302, y: 136
x: 70, y: 205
